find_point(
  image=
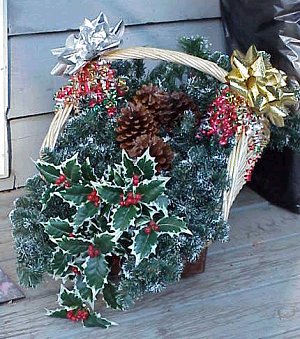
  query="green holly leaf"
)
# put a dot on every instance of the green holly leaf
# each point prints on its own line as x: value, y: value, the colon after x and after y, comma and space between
x: 147, y: 164
x: 110, y: 296
x: 71, y: 169
x: 124, y: 217
x: 95, y: 320
x: 172, y: 226
x: 85, y: 213
x: 87, y: 171
x: 96, y: 271
x: 56, y: 228
x: 76, y: 194
x: 104, y: 242
x: 59, y: 313
x: 49, y: 172
x: 59, y: 263
x: 68, y: 298
x: 143, y: 245
x: 74, y: 246
x: 84, y: 291
x: 152, y: 190
x: 47, y: 195
x: 142, y: 221
x: 109, y: 194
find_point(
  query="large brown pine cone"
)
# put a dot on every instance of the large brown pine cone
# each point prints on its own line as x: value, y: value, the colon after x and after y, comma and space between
x: 135, y: 121
x: 161, y: 151
x: 167, y: 108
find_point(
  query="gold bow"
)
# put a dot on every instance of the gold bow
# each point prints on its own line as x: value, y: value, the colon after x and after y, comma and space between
x: 263, y: 86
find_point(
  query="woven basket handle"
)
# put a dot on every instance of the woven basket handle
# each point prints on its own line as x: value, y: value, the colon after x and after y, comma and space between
x: 202, y: 65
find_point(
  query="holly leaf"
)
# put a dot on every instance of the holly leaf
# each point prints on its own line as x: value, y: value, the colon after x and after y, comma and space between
x: 49, y: 172
x: 60, y: 313
x: 68, y: 298
x: 124, y: 217
x: 87, y: 171
x: 109, y: 295
x: 104, y: 242
x: 76, y: 194
x: 143, y: 245
x: 109, y: 194
x: 119, y: 181
x: 84, y: 291
x: 95, y: 320
x: 47, y: 195
x: 59, y: 263
x: 84, y: 213
x: 74, y: 246
x: 173, y: 226
x: 147, y: 164
x: 152, y: 190
x: 56, y: 228
x: 129, y: 166
x: 71, y: 169
x: 96, y: 271
x: 162, y: 203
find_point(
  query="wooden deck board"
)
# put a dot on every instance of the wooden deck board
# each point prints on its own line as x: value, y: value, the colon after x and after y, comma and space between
x: 251, y: 287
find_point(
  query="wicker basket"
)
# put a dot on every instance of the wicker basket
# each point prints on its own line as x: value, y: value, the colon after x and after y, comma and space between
x: 238, y: 163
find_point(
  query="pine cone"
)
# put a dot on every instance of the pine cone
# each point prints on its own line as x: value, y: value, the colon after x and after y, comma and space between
x: 167, y: 108
x: 135, y: 121
x: 161, y: 151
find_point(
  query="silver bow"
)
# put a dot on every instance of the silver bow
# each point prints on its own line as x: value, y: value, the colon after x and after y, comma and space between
x: 94, y: 38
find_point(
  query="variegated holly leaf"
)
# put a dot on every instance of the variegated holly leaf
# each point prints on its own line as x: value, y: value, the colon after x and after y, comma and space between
x: 104, y: 242
x: 84, y: 213
x: 110, y: 296
x: 109, y: 194
x: 129, y: 166
x: 71, y: 169
x: 74, y: 246
x: 146, y: 164
x: 172, y: 226
x: 68, y: 298
x: 88, y: 173
x: 123, y: 217
x: 60, y: 262
x: 76, y: 194
x: 143, y: 245
x: 95, y: 320
x: 56, y: 228
x: 95, y: 272
x: 83, y: 290
x: 59, y: 313
x: 151, y: 190
x: 49, y: 172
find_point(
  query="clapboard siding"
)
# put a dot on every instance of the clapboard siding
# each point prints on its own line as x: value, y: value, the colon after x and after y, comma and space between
x: 36, y: 26
x: 32, y: 86
x: 36, y: 16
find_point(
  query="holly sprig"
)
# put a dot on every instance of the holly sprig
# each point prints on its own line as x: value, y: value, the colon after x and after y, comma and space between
x: 122, y: 214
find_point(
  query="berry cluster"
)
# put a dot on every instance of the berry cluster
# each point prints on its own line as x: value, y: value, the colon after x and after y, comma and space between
x: 75, y: 270
x: 62, y: 180
x: 131, y: 199
x: 78, y: 315
x: 222, y: 118
x: 93, y: 252
x: 94, y: 198
x: 151, y: 227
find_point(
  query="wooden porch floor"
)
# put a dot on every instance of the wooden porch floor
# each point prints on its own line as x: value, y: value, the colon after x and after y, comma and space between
x: 251, y: 287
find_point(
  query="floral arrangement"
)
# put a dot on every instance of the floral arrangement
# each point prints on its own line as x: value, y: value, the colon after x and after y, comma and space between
x: 133, y: 188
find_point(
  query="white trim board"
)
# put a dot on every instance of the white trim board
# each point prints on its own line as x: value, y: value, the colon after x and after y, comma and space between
x: 4, y: 161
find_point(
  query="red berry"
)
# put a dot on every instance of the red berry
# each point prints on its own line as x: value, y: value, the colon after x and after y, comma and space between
x: 57, y: 182
x: 97, y: 203
x: 147, y: 230
x: 138, y: 197
x: 75, y: 270
x: 122, y: 203
x: 62, y: 177
x: 156, y: 228
x: 130, y: 195
x: 152, y: 223
x: 136, y: 177
x: 96, y: 253
x: 67, y: 185
x: 70, y: 314
x: 71, y: 235
x: 127, y: 203
x: 130, y: 201
x: 91, y: 251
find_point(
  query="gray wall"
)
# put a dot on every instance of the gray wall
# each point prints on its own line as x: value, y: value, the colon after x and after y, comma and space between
x: 36, y: 26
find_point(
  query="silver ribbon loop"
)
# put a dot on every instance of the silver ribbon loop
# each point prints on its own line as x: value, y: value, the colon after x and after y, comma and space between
x: 94, y: 38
